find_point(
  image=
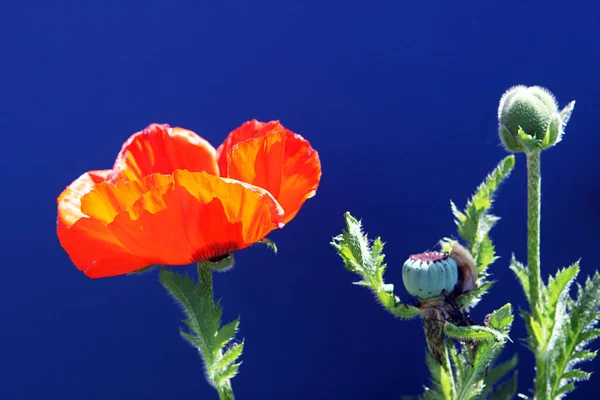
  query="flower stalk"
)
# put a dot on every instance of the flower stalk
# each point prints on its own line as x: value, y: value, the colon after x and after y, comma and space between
x: 534, y: 189
x: 534, y: 186
x: 205, y: 283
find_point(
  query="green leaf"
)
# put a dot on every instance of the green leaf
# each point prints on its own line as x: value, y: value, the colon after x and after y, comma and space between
x: 475, y: 223
x: 576, y: 375
x: 229, y: 357
x: 474, y: 332
x: 473, y: 377
x: 507, y: 390
x: 473, y: 297
x: 225, y: 375
x: 502, y: 318
x: 442, y: 379
x: 555, y: 304
x: 366, y: 259
x: 576, y: 334
x: 528, y: 142
x: 226, y: 333
x: 565, y: 113
x: 522, y: 275
x: 204, y: 320
x: 485, y: 254
x: 499, y: 371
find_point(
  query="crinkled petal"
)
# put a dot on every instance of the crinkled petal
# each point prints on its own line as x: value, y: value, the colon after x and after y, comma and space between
x: 274, y: 158
x: 69, y: 201
x: 86, y: 240
x: 162, y: 149
x: 248, y: 130
x: 177, y: 220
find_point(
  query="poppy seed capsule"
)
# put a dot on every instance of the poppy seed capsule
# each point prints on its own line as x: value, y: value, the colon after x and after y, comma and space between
x: 428, y: 275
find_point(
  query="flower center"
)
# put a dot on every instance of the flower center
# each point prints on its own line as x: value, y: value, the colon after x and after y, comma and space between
x: 215, y: 252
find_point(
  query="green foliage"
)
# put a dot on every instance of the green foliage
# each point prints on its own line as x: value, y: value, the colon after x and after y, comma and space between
x: 470, y: 375
x: 561, y: 329
x: 366, y: 259
x: 462, y: 367
x: 479, y: 346
x: 475, y: 222
x: 576, y: 332
x: 204, y: 324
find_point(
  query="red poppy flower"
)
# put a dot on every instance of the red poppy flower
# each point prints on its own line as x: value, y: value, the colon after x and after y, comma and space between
x: 164, y: 201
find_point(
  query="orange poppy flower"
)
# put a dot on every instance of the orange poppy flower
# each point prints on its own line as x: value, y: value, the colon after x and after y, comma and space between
x: 164, y: 201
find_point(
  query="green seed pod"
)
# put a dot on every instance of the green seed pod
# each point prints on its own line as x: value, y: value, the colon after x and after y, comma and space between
x: 529, y: 119
x: 428, y: 275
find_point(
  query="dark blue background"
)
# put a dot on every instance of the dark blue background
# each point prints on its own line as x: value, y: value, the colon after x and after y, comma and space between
x: 400, y: 100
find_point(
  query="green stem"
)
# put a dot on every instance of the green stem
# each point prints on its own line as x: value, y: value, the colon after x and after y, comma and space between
x: 534, y: 185
x: 225, y: 392
x: 206, y: 288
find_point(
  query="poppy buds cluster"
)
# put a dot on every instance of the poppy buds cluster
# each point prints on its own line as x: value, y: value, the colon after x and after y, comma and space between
x: 430, y: 275
x: 529, y: 119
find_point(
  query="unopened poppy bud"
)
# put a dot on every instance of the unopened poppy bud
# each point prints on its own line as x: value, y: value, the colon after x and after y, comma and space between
x: 429, y: 275
x: 534, y: 111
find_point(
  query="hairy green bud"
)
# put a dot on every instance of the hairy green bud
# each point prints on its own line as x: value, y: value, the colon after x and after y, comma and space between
x: 429, y: 275
x: 529, y: 119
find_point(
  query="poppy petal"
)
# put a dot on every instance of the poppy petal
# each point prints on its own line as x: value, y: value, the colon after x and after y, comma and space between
x: 86, y: 240
x: 274, y: 158
x: 162, y: 149
x: 177, y: 220
x: 69, y: 201
x: 248, y: 130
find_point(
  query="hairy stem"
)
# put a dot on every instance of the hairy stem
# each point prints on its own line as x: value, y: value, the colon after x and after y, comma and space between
x: 433, y: 325
x: 225, y: 392
x: 206, y: 287
x: 534, y: 185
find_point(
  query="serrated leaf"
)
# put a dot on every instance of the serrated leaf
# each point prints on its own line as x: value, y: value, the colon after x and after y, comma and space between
x: 485, y: 254
x: 583, y: 355
x: 366, y: 259
x: 507, y: 390
x: 442, y: 380
x: 474, y: 332
x: 191, y: 339
x: 577, y: 333
x: 474, y: 223
x: 473, y: 297
x: 226, y: 333
x: 522, y: 275
x: 564, y: 389
x: 202, y: 318
x: 502, y: 318
x: 537, y: 331
x: 226, y: 374
x: 203, y: 321
x: 577, y: 375
x: 558, y: 286
x: 229, y: 357
x: 499, y: 371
